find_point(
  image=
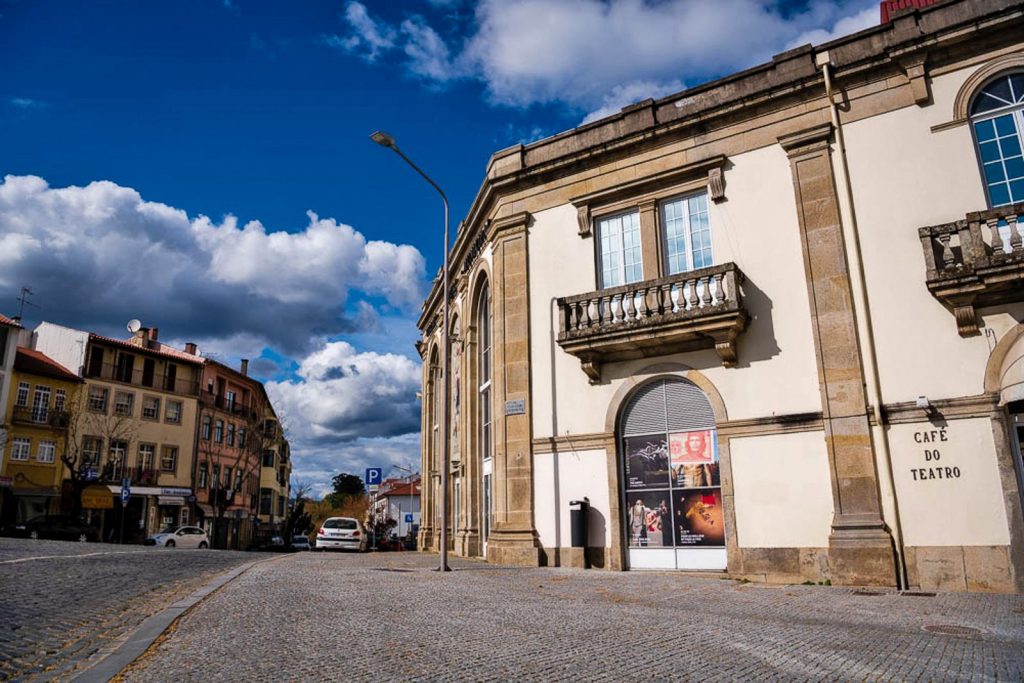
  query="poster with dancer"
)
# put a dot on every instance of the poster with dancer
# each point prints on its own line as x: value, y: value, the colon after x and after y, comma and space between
x: 647, y: 463
x: 648, y: 520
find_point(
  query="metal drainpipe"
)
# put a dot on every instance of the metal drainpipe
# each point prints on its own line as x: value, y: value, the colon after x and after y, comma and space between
x: 868, y: 337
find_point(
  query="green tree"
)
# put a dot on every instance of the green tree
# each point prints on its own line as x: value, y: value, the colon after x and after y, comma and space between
x: 346, y: 487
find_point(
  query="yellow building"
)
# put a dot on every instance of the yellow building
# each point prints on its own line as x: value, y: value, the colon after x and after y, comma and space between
x: 37, y: 425
x: 275, y: 478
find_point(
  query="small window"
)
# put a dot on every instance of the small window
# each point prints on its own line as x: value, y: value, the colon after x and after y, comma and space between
x: 241, y: 437
x: 98, y: 399
x: 22, y: 398
x: 169, y: 459
x: 268, y: 458
x: 123, y: 402
x: 173, y: 415
x: 171, y: 379
x: 218, y: 432
x: 231, y: 434
x: 997, y: 115
x: 238, y: 480
x: 619, y: 255
x: 125, y: 371
x: 117, y: 451
x: 150, y: 408
x: 46, y: 452
x: 203, y: 475
x: 60, y: 400
x: 207, y: 422
x: 227, y: 478
x: 148, y: 370
x: 92, y: 446
x: 20, y: 449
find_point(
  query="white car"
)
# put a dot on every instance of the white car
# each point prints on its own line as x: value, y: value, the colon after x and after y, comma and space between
x: 343, y: 533
x: 180, y: 537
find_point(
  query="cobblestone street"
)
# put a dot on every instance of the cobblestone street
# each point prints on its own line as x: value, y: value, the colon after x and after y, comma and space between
x: 65, y: 605
x: 317, y: 616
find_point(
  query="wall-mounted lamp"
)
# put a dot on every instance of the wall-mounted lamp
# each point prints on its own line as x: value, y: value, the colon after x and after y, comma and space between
x: 924, y: 404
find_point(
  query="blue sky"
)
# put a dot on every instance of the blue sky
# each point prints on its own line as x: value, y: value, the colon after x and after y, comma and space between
x: 205, y: 165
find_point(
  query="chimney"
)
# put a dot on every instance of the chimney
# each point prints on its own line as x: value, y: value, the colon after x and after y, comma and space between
x: 190, y: 348
x: 245, y: 367
x: 139, y: 338
x: 151, y: 338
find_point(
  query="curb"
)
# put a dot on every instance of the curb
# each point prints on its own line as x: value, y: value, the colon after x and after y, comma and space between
x: 155, y: 625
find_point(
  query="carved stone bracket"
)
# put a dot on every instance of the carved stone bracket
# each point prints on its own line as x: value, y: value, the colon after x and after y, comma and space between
x: 966, y: 319
x: 917, y: 74
x: 716, y: 184
x: 725, y: 347
x: 592, y: 369
x: 583, y: 218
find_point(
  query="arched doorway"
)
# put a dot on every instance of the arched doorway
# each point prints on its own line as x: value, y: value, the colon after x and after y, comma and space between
x: 671, y: 486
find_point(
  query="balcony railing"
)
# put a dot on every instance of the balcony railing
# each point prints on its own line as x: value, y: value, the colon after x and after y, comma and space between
x: 40, y: 417
x: 235, y: 407
x: 976, y: 262
x: 699, y: 309
x: 138, y: 377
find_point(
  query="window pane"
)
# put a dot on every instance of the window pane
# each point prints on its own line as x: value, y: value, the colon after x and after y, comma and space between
x: 985, y: 130
x: 675, y: 241
x: 1015, y: 167
x: 989, y: 151
x: 999, y: 194
x: 994, y: 172
x: 1004, y: 125
x: 1016, y: 191
x: 1010, y: 146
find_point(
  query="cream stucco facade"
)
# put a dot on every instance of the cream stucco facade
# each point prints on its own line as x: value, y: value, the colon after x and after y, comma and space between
x: 854, y: 373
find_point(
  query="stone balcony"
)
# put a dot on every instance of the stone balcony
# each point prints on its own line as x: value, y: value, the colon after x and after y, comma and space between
x: 699, y: 309
x: 976, y: 262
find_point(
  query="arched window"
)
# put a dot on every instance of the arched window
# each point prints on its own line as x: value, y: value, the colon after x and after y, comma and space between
x: 997, y: 114
x: 484, y: 403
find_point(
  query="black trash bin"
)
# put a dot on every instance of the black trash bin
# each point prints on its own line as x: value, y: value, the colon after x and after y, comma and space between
x: 578, y: 521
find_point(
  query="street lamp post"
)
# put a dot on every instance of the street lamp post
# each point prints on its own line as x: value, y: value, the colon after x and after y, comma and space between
x: 385, y: 140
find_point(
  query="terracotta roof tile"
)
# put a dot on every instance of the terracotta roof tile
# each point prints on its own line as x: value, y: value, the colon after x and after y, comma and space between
x: 35, y: 363
x: 161, y: 350
x: 7, y: 321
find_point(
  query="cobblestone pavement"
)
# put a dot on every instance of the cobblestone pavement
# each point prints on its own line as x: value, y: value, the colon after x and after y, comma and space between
x: 65, y: 605
x: 318, y: 616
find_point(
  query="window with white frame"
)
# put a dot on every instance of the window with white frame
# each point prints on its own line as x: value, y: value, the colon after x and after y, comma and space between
x: 484, y: 327
x: 231, y: 434
x: 169, y: 459
x: 60, y: 400
x: 620, y: 260
x: 46, y: 451
x: 997, y: 116
x: 686, y: 234
x: 41, y: 404
x: 147, y: 453
x: 150, y: 408
x: 20, y: 448
x: 218, y: 432
x: 117, y: 452
x: 92, y: 446
x: 173, y: 416
x: 123, y: 401
x: 21, y: 400
x: 204, y: 473
x: 98, y: 399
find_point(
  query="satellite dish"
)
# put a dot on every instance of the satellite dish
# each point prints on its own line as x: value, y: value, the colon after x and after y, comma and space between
x: 134, y: 325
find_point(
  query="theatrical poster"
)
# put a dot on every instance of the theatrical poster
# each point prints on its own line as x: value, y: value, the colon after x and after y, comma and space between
x: 649, y: 519
x: 700, y: 520
x: 647, y: 465
x: 694, y: 458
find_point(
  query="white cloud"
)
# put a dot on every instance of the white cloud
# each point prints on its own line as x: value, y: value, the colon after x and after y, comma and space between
x: 27, y: 103
x: 598, y: 55
x: 103, y: 253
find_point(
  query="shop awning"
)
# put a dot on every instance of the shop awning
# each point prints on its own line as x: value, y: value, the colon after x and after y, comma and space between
x: 170, y: 500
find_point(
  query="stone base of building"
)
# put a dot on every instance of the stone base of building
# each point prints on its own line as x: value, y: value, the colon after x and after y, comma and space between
x: 467, y: 544
x: 862, y: 557
x: 425, y: 539
x: 987, y: 569
x: 573, y: 557
x: 780, y: 565
x: 519, y: 548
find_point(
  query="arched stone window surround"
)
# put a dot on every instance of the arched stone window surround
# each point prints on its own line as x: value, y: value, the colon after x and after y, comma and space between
x: 620, y: 399
x: 979, y: 79
x: 998, y: 134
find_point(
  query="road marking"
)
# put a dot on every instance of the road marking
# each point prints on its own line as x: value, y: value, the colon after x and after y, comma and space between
x: 63, y: 557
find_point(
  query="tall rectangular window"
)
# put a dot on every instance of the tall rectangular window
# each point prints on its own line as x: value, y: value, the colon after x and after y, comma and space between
x: 203, y: 475
x: 169, y: 459
x: 21, y: 400
x: 999, y: 143
x: 619, y: 252
x: 148, y: 370
x: 41, y: 404
x: 171, y: 379
x: 123, y: 402
x: 206, y: 428
x: 150, y: 408
x: 95, y: 362
x: 92, y: 446
x: 125, y: 368
x: 227, y: 478
x: 268, y: 458
x: 687, y: 234
x: 218, y: 432
x: 98, y: 399
x: 46, y: 452
x: 231, y: 434
x: 20, y: 448
x: 146, y: 456
x: 60, y: 400
x: 173, y: 416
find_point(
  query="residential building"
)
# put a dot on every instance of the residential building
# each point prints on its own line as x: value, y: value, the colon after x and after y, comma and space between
x: 231, y: 438
x: 275, y: 477
x: 136, y: 424
x: 397, y: 499
x: 37, y: 415
x: 771, y: 326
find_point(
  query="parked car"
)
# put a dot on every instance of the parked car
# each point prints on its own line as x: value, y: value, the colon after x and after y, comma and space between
x: 301, y: 543
x: 180, y: 537
x: 342, y: 533
x: 63, y: 527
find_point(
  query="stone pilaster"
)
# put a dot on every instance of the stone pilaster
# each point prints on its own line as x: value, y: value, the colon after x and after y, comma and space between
x: 861, y: 550
x: 513, y: 539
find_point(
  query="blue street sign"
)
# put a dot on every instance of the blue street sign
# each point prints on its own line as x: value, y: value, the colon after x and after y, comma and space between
x: 126, y: 491
x: 374, y: 476
x: 408, y: 518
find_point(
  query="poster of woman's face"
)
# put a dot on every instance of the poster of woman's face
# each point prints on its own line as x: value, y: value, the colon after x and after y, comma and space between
x: 647, y: 463
x: 699, y: 518
x: 693, y: 448
x: 649, y: 520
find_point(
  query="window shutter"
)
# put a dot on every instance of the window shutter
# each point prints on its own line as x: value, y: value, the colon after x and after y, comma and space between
x: 669, y: 405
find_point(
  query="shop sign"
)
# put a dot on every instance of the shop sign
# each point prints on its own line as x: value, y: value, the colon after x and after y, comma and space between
x: 931, y: 453
x: 175, y: 492
x: 6, y: 482
x: 97, y: 498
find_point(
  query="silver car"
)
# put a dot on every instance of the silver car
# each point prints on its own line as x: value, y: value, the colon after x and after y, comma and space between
x: 342, y: 533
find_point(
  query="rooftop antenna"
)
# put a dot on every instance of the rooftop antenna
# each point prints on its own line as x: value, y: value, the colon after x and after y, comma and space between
x: 23, y: 300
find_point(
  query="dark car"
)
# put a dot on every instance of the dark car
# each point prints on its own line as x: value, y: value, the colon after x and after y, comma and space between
x: 65, y: 527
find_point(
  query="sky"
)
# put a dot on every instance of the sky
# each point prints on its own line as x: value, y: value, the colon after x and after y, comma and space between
x: 205, y: 166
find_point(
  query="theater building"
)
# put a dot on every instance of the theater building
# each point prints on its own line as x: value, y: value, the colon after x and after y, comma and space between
x: 771, y: 326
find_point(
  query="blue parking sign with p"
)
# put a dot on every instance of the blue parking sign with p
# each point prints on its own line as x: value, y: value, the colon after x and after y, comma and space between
x: 373, y: 476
